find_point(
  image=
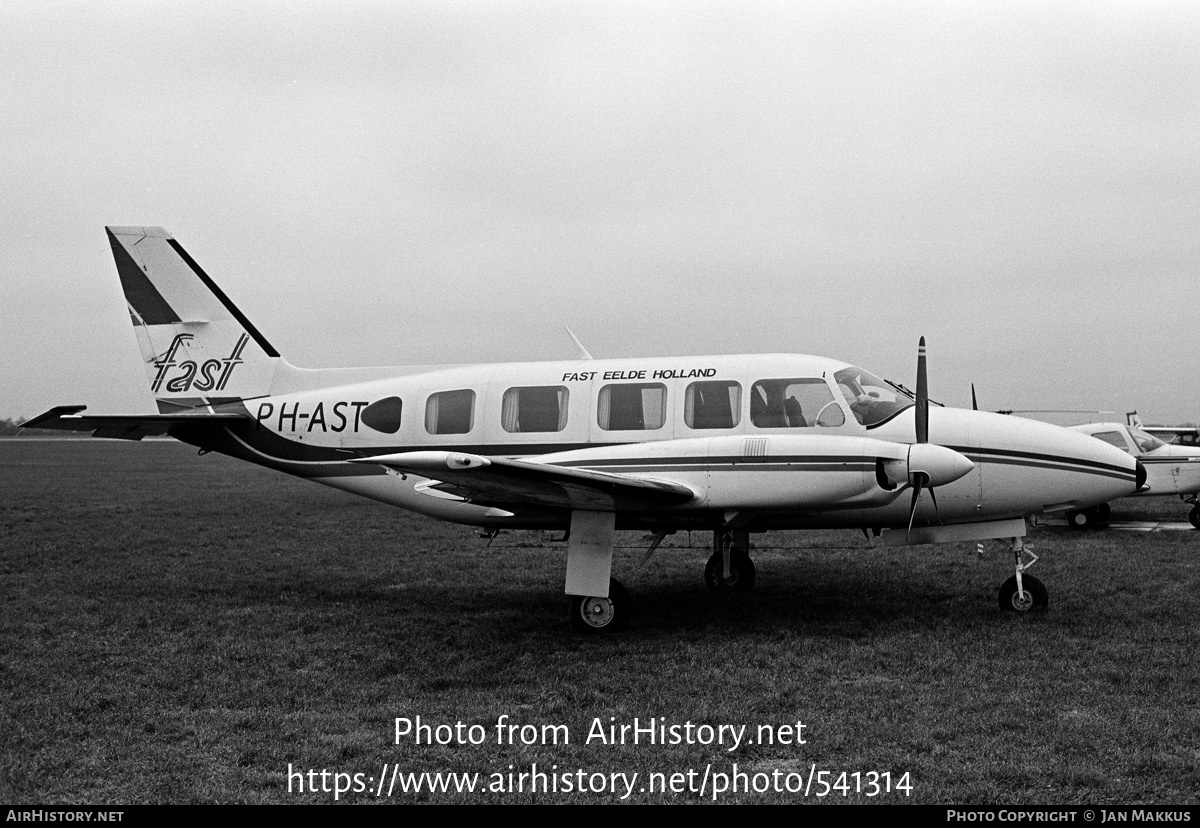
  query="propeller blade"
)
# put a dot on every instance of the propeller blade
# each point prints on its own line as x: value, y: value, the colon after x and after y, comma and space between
x: 974, y: 402
x: 936, y: 510
x: 918, y: 481
x: 922, y: 395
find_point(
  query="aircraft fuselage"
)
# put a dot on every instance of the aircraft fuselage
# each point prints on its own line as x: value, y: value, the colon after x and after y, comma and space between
x: 644, y: 417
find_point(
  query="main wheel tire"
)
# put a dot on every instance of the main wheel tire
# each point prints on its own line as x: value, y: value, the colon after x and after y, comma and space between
x: 1194, y: 516
x: 741, y: 572
x: 589, y: 614
x: 1103, y: 513
x: 1081, y: 519
x: 1034, y: 599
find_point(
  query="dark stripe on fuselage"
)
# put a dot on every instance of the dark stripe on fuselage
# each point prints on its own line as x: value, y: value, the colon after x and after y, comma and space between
x: 240, y: 441
x: 761, y: 466
x: 728, y: 459
x: 259, y: 445
x: 267, y: 448
x: 1008, y: 457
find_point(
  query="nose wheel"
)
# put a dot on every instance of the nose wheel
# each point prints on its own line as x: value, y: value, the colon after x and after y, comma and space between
x: 1031, y: 596
x: 1023, y: 592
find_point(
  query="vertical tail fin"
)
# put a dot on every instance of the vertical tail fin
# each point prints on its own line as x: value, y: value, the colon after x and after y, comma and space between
x: 199, y: 349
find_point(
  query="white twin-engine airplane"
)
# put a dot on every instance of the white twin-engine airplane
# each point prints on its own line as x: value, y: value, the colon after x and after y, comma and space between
x: 729, y: 444
x: 1171, y: 470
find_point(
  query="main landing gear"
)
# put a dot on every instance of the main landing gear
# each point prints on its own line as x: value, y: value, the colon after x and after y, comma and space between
x: 592, y: 615
x: 1023, y: 593
x: 730, y: 566
x: 1194, y: 515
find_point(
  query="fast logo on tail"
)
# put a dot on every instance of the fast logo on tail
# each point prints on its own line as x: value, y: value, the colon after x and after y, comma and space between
x: 213, y: 375
x: 199, y: 349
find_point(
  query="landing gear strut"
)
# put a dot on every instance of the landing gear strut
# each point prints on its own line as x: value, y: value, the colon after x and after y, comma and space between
x: 1022, y: 592
x: 730, y: 566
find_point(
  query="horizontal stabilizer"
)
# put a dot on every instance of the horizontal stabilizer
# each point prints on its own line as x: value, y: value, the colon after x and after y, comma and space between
x: 500, y: 482
x: 123, y: 426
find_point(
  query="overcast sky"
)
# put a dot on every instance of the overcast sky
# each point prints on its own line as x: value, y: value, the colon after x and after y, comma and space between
x: 445, y: 182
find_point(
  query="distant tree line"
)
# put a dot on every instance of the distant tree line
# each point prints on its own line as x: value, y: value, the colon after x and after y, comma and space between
x: 9, y: 428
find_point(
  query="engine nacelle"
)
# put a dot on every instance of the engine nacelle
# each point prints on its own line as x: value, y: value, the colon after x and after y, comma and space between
x: 938, y: 466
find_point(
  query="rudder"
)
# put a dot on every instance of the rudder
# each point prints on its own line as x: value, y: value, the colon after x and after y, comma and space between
x: 198, y: 348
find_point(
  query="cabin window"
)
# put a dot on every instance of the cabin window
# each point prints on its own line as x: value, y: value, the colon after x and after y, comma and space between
x: 384, y: 415
x: 536, y: 408
x: 794, y: 403
x: 712, y: 404
x: 450, y: 412
x: 635, y: 406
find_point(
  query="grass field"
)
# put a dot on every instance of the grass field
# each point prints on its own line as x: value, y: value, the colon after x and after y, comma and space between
x: 182, y: 629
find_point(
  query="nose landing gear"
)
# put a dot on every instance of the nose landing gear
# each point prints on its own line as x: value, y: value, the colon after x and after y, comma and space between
x: 1023, y: 593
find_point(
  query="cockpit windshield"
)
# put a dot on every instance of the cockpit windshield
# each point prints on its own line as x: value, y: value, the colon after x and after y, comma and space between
x: 1146, y: 443
x: 872, y: 399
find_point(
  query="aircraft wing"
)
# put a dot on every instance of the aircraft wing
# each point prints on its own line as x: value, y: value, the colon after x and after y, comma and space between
x: 501, y: 482
x: 123, y: 426
x: 1162, y: 431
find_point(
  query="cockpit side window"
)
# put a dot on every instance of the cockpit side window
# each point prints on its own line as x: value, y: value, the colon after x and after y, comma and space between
x: 1146, y: 443
x: 1113, y: 438
x: 871, y: 399
x: 794, y: 403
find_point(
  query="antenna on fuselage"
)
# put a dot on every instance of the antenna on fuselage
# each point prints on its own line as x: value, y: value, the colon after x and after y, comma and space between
x: 583, y: 352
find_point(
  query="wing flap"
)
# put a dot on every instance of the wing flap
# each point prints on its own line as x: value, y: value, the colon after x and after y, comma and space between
x: 502, y: 482
x: 123, y: 426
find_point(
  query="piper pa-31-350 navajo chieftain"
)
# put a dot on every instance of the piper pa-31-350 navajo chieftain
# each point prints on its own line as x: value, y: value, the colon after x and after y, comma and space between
x: 728, y: 444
